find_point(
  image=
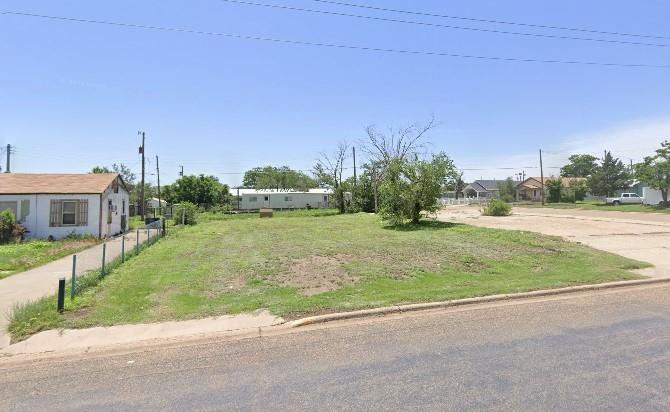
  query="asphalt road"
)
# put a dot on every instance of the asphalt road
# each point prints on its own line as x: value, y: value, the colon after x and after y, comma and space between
x: 593, y: 351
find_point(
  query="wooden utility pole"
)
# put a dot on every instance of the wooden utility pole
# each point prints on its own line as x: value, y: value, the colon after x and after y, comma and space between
x: 9, y: 156
x: 374, y: 184
x: 353, y: 149
x: 158, y: 176
x: 542, y: 177
x: 181, y: 174
x: 141, y: 201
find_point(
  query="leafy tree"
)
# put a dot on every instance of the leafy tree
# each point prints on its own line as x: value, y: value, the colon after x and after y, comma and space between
x: 609, y: 177
x: 200, y: 190
x: 100, y: 170
x: 655, y: 171
x: 456, y: 183
x: 555, y: 188
x: 578, y: 188
x: 278, y: 178
x: 412, y: 186
x: 507, y: 189
x: 328, y: 172
x: 581, y: 165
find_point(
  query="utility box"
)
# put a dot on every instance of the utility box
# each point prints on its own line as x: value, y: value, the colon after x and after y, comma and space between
x: 266, y: 213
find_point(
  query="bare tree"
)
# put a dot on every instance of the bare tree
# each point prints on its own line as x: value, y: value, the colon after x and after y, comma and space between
x: 398, y: 143
x: 329, y: 169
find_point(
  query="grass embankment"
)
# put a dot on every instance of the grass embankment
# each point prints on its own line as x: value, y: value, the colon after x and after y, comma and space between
x: 302, y: 265
x: 17, y: 257
x: 601, y: 206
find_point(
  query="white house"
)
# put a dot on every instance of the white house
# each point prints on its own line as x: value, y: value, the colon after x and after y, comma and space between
x: 56, y: 205
x: 252, y: 199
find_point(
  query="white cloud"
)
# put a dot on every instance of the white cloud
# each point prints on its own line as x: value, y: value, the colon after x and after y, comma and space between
x: 631, y: 140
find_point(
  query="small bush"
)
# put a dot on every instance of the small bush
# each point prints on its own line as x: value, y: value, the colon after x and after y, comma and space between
x: 497, y: 207
x: 9, y: 229
x: 186, y: 211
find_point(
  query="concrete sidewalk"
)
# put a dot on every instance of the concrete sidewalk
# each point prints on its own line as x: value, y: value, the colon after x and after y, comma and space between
x: 43, y: 280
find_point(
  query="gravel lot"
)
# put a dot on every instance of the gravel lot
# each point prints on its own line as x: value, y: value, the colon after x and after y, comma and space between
x: 641, y: 236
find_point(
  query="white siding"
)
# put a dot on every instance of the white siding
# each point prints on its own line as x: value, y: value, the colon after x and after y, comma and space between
x: 37, y: 220
x: 116, y: 212
x: 278, y: 200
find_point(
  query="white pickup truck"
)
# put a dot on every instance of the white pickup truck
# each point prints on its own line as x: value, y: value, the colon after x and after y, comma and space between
x: 625, y: 198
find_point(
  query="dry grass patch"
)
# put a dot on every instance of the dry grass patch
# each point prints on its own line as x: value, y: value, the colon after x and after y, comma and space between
x: 315, y: 274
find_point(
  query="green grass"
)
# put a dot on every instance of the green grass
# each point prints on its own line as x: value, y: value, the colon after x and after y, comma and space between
x: 590, y: 205
x: 304, y: 265
x: 17, y: 257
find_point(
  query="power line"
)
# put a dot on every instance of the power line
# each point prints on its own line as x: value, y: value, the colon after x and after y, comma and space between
x: 481, y: 20
x: 336, y: 45
x: 437, y: 25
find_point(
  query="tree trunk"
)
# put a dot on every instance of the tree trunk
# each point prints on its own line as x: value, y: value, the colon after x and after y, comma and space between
x: 664, y: 195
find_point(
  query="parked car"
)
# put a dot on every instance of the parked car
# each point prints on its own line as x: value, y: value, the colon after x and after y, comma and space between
x: 625, y: 198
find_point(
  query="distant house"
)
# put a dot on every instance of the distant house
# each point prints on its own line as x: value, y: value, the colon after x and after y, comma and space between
x: 252, y: 199
x: 482, y: 189
x: 154, y: 203
x: 56, y: 205
x: 531, y: 188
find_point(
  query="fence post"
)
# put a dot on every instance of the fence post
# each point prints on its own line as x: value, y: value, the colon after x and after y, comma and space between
x: 61, y: 294
x: 74, y: 276
x: 137, y: 243
x: 164, y: 226
x: 123, y: 248
x: 104, y: 250
x: 183, y: 216
x: 148, y: 236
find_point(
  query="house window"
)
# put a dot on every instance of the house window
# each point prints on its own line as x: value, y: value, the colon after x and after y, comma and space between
x: 12, y: 206
x: 325, y: 198
x: 68, y: 212
x: 123, y: 207
x: 253, y: 199
x: 267, y: 198
x: 110, y: 209
x: 69, y: 215
x: 288, y: 198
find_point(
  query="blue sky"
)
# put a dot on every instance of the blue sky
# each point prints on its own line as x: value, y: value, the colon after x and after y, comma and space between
x: 73, y: 95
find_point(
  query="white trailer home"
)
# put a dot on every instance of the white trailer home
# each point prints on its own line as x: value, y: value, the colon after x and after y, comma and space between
x: 652, y: 196
x: 252, y: 199
x: 56, y: 205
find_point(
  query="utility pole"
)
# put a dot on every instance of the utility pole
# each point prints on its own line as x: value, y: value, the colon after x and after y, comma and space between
x: 9, y: 155
x: 374, y: 184
x: 158, y: 175
x: 141, y: 201
x: 542, y: 177
x: 353, y: 195
x: 238, y: 198
x: 181, y: 174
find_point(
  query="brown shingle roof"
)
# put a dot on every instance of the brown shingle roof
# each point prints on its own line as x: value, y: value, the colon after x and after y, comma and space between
x: 33, y: 183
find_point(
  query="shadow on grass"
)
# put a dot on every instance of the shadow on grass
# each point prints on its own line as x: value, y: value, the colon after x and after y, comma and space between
x: 422, y: 225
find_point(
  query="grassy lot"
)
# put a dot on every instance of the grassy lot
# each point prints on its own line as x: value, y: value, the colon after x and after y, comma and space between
x: 17, y: 257
x: 601, y: 206
x: 300, y: 264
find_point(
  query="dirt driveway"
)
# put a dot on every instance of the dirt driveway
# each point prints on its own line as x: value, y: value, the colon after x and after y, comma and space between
x: 641, y: 236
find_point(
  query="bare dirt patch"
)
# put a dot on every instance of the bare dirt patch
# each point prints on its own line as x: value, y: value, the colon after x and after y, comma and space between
x: 315, y: 274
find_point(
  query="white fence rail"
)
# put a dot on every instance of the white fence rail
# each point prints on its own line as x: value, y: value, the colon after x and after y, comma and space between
x: 448, y: 201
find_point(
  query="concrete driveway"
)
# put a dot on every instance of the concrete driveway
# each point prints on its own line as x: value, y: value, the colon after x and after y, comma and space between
x: 640, y: 236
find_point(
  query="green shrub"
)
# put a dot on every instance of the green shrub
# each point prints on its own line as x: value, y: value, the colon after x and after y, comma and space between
x: 186, y: 211
x: 497, y: 207
x: 9, y: 229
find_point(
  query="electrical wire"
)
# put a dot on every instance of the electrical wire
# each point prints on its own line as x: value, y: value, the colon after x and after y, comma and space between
x: 437, y: 25
x: 336, y: 45
x: 481, y: 20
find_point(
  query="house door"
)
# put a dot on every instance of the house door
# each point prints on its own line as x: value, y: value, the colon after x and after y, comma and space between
x: 266, y: 201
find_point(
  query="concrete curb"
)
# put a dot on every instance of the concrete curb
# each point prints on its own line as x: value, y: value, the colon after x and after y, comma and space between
x: 389, y: 310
